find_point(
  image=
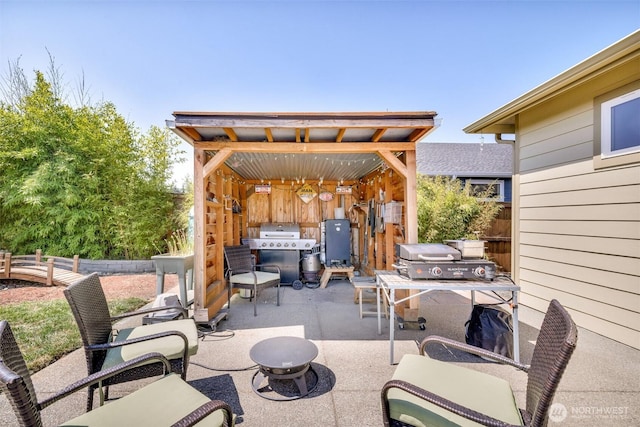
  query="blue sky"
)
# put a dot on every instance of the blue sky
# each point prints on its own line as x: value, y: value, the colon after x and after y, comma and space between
x: 462, y: 59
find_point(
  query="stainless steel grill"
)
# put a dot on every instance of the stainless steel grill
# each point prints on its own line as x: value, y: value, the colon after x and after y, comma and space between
x: 280, y: 244
x: 280, y: 236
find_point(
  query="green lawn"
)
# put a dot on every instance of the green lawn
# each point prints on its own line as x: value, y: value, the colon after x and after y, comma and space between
x: 46, y: 330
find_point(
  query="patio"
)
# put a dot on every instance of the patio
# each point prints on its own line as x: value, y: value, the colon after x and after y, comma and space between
x: 600, y: 387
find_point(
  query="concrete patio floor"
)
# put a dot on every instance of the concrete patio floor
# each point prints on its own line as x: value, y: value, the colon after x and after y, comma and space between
x: 601, y: 386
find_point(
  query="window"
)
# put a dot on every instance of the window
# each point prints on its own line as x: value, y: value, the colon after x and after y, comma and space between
x: 616, y: 127
x: 488, y: 188
x: 620, y: 125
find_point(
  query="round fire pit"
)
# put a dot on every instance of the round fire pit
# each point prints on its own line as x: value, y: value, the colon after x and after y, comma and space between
x: 284, y: 358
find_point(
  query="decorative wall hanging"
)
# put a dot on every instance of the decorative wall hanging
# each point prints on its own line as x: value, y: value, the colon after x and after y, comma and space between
x: 326, y: 196
x: 263, y: 188
x: 306, y: 193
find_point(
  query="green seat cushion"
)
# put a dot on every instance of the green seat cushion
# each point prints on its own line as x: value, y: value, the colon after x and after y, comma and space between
x: 171, y: 347
x: 484, y: 393
x: 247, y: 278
x: 161, y: 403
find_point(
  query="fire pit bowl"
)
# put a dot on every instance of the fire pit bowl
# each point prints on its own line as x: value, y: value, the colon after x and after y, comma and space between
x: 284, y: 358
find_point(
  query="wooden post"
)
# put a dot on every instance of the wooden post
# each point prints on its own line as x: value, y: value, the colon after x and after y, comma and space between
x: 50, y: 271
x: 389, y: 249
x: 38, y: 256
x: 76, y: 263
x: 411, y: 221
x: 7, y: 264
x: 199, y: 261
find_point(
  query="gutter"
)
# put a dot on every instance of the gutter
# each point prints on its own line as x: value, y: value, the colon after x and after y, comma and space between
x: 499, y: 139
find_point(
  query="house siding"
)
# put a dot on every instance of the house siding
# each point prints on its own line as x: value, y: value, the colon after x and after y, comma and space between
x: 577, y: 228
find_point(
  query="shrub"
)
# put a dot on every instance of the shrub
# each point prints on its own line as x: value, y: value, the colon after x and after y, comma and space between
x: 447, y: 210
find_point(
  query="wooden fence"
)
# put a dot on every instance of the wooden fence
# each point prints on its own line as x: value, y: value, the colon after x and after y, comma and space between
x: 499, y: 239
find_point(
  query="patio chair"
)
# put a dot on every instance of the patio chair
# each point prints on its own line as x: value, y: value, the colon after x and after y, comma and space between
x: 166, y: 401
x: 106, y: 347
x: 244, y: 273
x: 425, y: 391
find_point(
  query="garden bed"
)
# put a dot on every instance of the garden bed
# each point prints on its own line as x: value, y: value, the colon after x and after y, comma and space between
x: 119, y: 286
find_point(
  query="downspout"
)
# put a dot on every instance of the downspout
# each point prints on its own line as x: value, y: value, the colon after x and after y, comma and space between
x: 499, y: 139
x: 515, y: 251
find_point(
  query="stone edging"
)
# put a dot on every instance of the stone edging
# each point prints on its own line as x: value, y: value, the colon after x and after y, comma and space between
x: 107, y: 267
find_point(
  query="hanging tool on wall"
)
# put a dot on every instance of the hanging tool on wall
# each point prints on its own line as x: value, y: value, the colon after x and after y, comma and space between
x: 365, y: 261
x: 372, y: 217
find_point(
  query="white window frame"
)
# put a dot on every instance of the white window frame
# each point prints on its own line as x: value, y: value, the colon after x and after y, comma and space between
x: 606, y: 143
x: 603, y: 157
x: 497, y: 183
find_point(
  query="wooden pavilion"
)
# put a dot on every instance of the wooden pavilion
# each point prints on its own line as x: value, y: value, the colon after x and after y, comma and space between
x: 250, y: 169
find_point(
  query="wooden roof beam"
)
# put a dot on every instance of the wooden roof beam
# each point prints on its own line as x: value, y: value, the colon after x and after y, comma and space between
x: 192, y: 133
x: 418, y: 133
x: 231, y: 134
x: 393, y: 162
x: 316, y: 147
x: 269, y: 135
x: 378, y: 134
x: 340, y: 134
x: 216, y: 161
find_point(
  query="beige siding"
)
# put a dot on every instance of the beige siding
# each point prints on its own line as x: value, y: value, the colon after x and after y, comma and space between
x: 619, y: 272
x: 617, y: 332
x: 575, y: 176
x: 578, y: 227
x: 600, y: 310
x: 600, y: 196
x: 613, y: 229
x: 623, y: 212
x: 621, y: 299
x: 608, y: 246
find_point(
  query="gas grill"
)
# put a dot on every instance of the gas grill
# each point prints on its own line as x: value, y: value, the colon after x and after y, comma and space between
x: 439, y: 261
x: 280, y: 244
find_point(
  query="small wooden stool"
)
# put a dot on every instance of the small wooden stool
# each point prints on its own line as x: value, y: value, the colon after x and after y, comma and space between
x: 363, y: 284
x: 328, y: 271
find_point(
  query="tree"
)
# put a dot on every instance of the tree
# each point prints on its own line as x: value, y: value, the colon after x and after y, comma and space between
x: 80, y: 180
x: 447, y: 210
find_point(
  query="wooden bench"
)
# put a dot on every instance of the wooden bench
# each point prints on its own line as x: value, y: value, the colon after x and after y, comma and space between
x: 49, y: 270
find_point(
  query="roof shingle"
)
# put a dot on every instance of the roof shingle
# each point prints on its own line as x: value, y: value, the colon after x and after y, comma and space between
x: 464, y: 159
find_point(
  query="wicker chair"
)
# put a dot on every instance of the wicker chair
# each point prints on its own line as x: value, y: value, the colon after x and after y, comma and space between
x: 424, y: 391
x: 243, y: 273
x: 174, y: 401
x: 105, y: 347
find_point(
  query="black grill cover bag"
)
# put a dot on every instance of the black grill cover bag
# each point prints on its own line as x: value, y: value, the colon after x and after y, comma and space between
x: 490, y: 327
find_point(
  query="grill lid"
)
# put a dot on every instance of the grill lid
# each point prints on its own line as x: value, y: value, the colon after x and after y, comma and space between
x: 427, y: 252
x: 283, y: 230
